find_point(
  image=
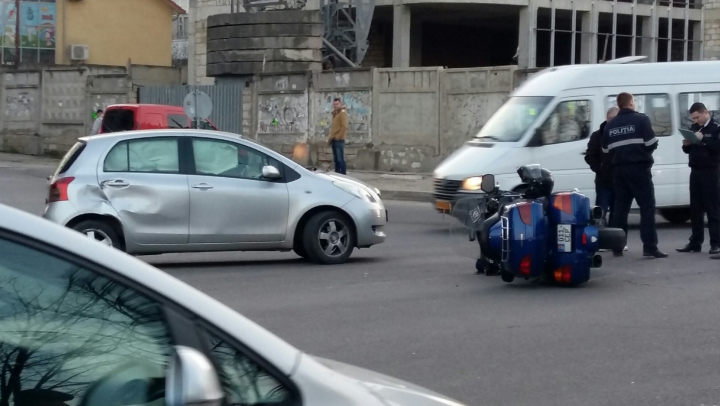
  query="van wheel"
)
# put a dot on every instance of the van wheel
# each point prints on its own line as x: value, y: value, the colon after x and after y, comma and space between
x: 676, y: 216
x: 328, y: 238
x: 100, y: 232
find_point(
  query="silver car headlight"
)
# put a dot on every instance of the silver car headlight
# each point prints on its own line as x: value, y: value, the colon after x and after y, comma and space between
x: 357, y: 191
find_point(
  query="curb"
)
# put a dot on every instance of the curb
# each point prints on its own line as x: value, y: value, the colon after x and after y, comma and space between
x: 406, y: 195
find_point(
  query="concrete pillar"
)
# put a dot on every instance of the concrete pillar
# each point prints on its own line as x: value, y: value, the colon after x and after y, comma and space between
x: 588, y: 44
x: 192, y: 17
x: 416, y: 42
x: 401, y: 36
x: 711, y: 43
x: 526, y: 39
x: 647, y: 43
x: 697, y: 45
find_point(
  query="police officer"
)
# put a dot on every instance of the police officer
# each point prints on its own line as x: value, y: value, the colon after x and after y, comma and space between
x: 601, y: 164
x: 704, y: 188
x: 630, y: 140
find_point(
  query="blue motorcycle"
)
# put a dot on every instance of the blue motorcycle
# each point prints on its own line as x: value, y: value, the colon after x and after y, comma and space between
x: 537, y: 233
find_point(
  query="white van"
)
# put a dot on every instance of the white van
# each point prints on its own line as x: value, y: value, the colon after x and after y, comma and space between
x: 549, y: 119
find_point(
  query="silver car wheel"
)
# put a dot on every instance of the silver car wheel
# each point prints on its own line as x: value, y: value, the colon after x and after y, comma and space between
x: 99, y: 236
x: 334, y: 238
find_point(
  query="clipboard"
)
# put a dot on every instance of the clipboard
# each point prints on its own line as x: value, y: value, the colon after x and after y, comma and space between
x: 689, y: 135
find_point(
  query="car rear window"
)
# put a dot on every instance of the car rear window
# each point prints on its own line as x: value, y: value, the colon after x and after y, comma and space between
x: 118, y: 120
x: 70, y: 158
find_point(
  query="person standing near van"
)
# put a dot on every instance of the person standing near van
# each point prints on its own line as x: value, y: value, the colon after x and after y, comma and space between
x: 97, y: 124
x: 704, y: 162
x: 338, y: 132
x: 601, y: 164
x: 631, y: 141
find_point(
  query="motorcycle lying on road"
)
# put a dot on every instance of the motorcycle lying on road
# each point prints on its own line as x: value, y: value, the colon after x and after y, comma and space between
x: 537, y: 233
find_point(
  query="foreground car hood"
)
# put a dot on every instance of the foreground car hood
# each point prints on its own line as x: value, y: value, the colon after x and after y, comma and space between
x: 337, y: 176
x: 393, y: 392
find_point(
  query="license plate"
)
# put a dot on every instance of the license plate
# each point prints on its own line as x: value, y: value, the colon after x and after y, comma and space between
x: 564, y: 237
x: 442, y: 205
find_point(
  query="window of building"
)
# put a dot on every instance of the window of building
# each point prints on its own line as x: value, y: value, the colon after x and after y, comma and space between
x: 711, y: 100
x: 159, y: 155
x: 569, y: 122
x: 37, y: 32
x: 71, y: 336
x: 656, y: 106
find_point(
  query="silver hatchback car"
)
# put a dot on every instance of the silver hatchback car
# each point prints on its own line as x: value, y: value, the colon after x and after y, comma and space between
x: 186, y: 190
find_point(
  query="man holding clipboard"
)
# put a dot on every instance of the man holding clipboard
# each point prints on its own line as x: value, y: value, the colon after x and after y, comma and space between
x: 702, y: 144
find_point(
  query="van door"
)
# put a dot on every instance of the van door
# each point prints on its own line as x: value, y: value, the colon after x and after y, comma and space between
x: 563, y: 140
x: 670, y: 161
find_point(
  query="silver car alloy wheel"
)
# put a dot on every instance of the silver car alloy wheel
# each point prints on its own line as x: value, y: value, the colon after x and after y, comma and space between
x: 99, y: 236
x: 334, y: 238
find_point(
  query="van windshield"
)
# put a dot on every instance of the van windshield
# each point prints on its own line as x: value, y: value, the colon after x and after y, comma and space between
x: 513, y: 119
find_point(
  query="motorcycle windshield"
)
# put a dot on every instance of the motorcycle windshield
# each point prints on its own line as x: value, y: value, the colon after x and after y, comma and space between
x: 466, y: 221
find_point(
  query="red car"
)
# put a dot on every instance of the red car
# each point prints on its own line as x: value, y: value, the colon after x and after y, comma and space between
x: 130, y: 117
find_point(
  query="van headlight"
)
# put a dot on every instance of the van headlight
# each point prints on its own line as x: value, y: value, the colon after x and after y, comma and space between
x: 473, y: 184
x: 357, y: 191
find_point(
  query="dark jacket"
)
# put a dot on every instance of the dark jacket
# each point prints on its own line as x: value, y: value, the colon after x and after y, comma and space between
x: 706, y: 154
x: 600, y: 162
x: 630, y: 139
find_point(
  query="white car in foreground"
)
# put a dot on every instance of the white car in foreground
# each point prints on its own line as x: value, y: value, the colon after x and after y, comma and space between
x: 84, y: 324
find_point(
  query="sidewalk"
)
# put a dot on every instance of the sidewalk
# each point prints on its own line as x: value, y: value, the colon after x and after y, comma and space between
x: 392, y: 186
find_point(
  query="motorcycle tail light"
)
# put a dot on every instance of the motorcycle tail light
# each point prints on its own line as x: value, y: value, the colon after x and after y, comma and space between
x: 563, y: 274
x: 525, y: 265
x: 525, y: 210
x: 564, y: 203
x: 584, y: 238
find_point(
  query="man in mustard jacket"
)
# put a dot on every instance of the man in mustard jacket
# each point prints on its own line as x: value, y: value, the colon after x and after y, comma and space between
x: 338, y: 132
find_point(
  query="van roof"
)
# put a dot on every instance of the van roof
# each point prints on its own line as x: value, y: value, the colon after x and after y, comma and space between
x: 549, y: 81
x: 143, y: 105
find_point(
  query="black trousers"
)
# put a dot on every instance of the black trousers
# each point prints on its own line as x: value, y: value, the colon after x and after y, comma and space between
x: 705, y: 199
x: 635, y: 182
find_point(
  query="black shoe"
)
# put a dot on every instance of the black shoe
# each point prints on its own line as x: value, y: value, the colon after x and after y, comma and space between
x: 714, y: 256
x: 655, y: 254
x: 691, y: 248
x: 714, y: 250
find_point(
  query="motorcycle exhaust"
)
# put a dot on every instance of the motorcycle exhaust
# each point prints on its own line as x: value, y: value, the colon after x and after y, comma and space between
x: 596, y: 213
x: 596, y: 261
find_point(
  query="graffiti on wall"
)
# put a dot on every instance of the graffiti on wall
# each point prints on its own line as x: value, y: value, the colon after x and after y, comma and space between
x: 20, y: 105
x: 283, y: 114
x: 358, y: 105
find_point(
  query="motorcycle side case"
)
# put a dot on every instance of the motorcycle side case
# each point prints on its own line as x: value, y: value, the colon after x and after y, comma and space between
x: 524, y: 239
x: 572, y: 268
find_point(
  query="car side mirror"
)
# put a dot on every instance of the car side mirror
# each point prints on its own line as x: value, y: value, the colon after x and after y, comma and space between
x: 191, y: 380
x: 270, y: 172
x: 537, y: 139
x: 488, y: 183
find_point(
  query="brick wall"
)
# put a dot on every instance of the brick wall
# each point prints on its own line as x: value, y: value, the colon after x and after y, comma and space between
x: 712, y: 30
x: 197, y: 50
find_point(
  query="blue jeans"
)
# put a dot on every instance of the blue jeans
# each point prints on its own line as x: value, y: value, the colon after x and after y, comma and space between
x: 605, y: 199
x: 338, y: 150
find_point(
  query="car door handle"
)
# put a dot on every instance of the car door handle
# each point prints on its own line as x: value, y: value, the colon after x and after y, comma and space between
x: 116, y: 183
x: 202, y: 186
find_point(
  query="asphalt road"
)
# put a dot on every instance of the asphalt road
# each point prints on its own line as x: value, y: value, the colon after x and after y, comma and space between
x: 642, y: 332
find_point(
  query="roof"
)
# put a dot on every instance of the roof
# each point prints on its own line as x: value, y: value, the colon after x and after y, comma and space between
x: 549, y: 81
x: 176, y: 7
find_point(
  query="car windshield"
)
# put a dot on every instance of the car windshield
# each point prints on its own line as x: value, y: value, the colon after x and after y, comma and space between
x: 513, y: 119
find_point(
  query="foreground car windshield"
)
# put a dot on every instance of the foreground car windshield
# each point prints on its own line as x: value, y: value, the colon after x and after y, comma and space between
x: 513, y: 119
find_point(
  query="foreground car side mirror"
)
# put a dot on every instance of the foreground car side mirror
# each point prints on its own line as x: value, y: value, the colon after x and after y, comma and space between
x: 270, y: 172
x: 488, y: 183
x: 192, y: 380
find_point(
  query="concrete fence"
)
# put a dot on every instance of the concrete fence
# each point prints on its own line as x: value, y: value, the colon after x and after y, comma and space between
x: 402, y: 120
x: 45, y: 111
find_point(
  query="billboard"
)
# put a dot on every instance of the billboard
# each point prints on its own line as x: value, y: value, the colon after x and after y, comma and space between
x: 36, y: 30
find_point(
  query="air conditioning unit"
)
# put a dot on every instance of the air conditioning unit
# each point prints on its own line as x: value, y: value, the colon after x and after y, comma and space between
x: 79, y: 52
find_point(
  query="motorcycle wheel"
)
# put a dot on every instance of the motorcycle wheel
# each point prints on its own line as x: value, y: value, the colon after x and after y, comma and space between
x: 507, y: 277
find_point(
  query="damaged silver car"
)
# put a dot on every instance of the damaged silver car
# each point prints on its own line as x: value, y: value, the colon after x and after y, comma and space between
x: 187, y: 190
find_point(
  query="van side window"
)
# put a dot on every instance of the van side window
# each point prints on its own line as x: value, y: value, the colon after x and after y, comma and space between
x: 656, y: 107
x: 569, y: 122
x: 711, y: 100
x: 158, y: 155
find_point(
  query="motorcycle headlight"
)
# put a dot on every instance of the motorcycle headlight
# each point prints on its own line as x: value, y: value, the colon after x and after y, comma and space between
x: 473, y: 184
x: 359, y: 192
